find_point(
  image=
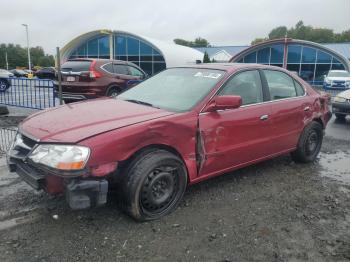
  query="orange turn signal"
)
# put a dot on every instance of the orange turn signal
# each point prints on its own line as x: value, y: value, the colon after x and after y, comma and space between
x: 71, y: 165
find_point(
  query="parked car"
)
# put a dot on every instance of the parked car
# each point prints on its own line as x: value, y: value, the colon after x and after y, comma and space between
x: 46, y: 73
x: 5, y: 80
x: 337, y: 79
x: 92, y: 78
x: 341, y: 105
x: 19, y: 73
x: 179, y: 127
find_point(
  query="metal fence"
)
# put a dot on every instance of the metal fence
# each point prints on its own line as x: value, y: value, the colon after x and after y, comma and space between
x: 30, y: 93
x: 7, y: 135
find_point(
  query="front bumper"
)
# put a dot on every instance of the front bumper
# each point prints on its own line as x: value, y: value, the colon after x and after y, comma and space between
x: 80, y: 193
x: 341, y: 108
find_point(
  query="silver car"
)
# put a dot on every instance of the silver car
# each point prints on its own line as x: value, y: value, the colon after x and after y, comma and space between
x: 341, y: 105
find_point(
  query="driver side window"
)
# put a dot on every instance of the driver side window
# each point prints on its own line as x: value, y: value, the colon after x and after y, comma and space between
x: 247, y: 85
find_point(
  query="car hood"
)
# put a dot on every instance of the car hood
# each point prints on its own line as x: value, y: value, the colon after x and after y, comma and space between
x: 338, y: 78
x: 345, y: 94
x: 72, y: 123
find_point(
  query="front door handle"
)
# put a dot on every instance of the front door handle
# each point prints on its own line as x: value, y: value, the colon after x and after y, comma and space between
x: 307, y: 108
x: 264, y: 117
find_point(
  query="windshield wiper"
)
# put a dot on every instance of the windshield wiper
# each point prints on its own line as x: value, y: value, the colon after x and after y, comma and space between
x: 140, y: 102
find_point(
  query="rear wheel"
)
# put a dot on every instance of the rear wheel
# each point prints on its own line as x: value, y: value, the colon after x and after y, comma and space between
x: 309, y: 144
x: 113, y: 91
x: 154, y: 185
x: 340, y: 116
x: 4, y: 85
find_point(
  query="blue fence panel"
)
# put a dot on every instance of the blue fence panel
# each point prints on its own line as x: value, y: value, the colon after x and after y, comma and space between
x: 30, y: 93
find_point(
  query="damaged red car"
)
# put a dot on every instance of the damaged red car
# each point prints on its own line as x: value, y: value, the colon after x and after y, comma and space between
x: 180, y: 127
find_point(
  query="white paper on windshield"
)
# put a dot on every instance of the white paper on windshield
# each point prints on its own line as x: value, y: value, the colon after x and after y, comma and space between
x: 208, y: 75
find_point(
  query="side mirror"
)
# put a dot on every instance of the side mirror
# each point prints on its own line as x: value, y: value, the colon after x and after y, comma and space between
x: 224, y: 102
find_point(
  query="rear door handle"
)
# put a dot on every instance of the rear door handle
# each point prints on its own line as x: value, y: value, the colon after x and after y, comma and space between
x: 307, y: 108
x: 264, y: 117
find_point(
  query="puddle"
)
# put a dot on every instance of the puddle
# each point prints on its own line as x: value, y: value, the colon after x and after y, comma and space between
x: 335, y: 166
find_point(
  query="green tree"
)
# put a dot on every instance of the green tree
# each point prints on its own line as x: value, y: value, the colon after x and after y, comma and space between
x: 258, y: 40
x: 206, y: 58
x: 306, y: 32
x: 198, y: 42
x: 278, y: 32
x: 17, y: 56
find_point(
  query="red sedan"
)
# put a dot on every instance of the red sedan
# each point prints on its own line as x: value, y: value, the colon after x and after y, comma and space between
x: 181, y: 126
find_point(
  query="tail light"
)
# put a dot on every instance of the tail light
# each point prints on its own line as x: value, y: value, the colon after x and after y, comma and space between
x: 93, y: 72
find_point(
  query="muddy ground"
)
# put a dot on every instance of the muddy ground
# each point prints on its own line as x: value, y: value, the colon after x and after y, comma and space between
x: 273, y: 211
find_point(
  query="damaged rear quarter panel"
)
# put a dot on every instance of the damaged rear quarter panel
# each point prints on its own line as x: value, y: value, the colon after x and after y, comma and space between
x: 177, y: 131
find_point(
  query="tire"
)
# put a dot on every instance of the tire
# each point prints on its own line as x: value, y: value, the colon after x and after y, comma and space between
x: 153, y: 186
x: 4, y: 85
x: 113, y: 91
x: 309, y: 144
x: 340, y: 117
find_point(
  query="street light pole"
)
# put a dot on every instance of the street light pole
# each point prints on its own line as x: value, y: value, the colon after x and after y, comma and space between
x: 29, y: 63
x: 7, y: 62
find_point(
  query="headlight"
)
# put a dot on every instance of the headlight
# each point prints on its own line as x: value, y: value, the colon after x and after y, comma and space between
x: 64, y: 157
x: 328, y: 81
x: 339, y: 99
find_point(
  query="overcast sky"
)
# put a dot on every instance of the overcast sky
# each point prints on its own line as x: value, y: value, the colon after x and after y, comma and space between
x: 227, y: 22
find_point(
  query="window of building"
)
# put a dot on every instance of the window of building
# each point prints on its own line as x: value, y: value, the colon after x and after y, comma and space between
x: 247, y: 85
x: 92, y: 48
x: 280, y: 85
x: 103, y: 47
x: 294, y: 54
x: 277, y: 54
x: 323, y: 57
x: 251, y: 58
x: 309, y: 55
x: 264, y: 56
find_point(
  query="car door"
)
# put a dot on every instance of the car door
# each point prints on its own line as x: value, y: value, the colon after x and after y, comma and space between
x: 289, y: 108
x: 231, y: 138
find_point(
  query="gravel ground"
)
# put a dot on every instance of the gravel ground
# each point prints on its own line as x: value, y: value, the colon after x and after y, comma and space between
x: 273, y: 211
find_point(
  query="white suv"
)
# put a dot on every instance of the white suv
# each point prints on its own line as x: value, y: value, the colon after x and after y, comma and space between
x: 338, y: 79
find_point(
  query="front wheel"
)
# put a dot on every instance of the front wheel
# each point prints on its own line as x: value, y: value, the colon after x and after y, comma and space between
x: 154, y: 185
x: 309, y: 144
x: 4, y: 85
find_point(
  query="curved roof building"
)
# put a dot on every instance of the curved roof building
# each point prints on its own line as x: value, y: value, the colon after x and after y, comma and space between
x: 151, y: 55
x: 309, y: 60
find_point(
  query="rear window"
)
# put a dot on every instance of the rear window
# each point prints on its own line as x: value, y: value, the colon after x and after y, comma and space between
x: 76, y: 66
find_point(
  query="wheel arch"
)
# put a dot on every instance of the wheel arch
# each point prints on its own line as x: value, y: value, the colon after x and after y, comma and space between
x: 111, y: 86
x: 123, y: 164
x: 319, y: 120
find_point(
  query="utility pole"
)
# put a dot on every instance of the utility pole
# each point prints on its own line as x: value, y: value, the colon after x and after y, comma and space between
x: 7, y: 62
x: 29, y: 63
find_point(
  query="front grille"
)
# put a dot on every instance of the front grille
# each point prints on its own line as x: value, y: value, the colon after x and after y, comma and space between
x: 22, y: 146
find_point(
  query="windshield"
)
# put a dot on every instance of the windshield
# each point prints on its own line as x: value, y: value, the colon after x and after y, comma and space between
x: 176, y: 89
x: 339, y: 74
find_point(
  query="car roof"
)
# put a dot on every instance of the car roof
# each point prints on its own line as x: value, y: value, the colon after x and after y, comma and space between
x: 230, y: 67
x: 103, y: 60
